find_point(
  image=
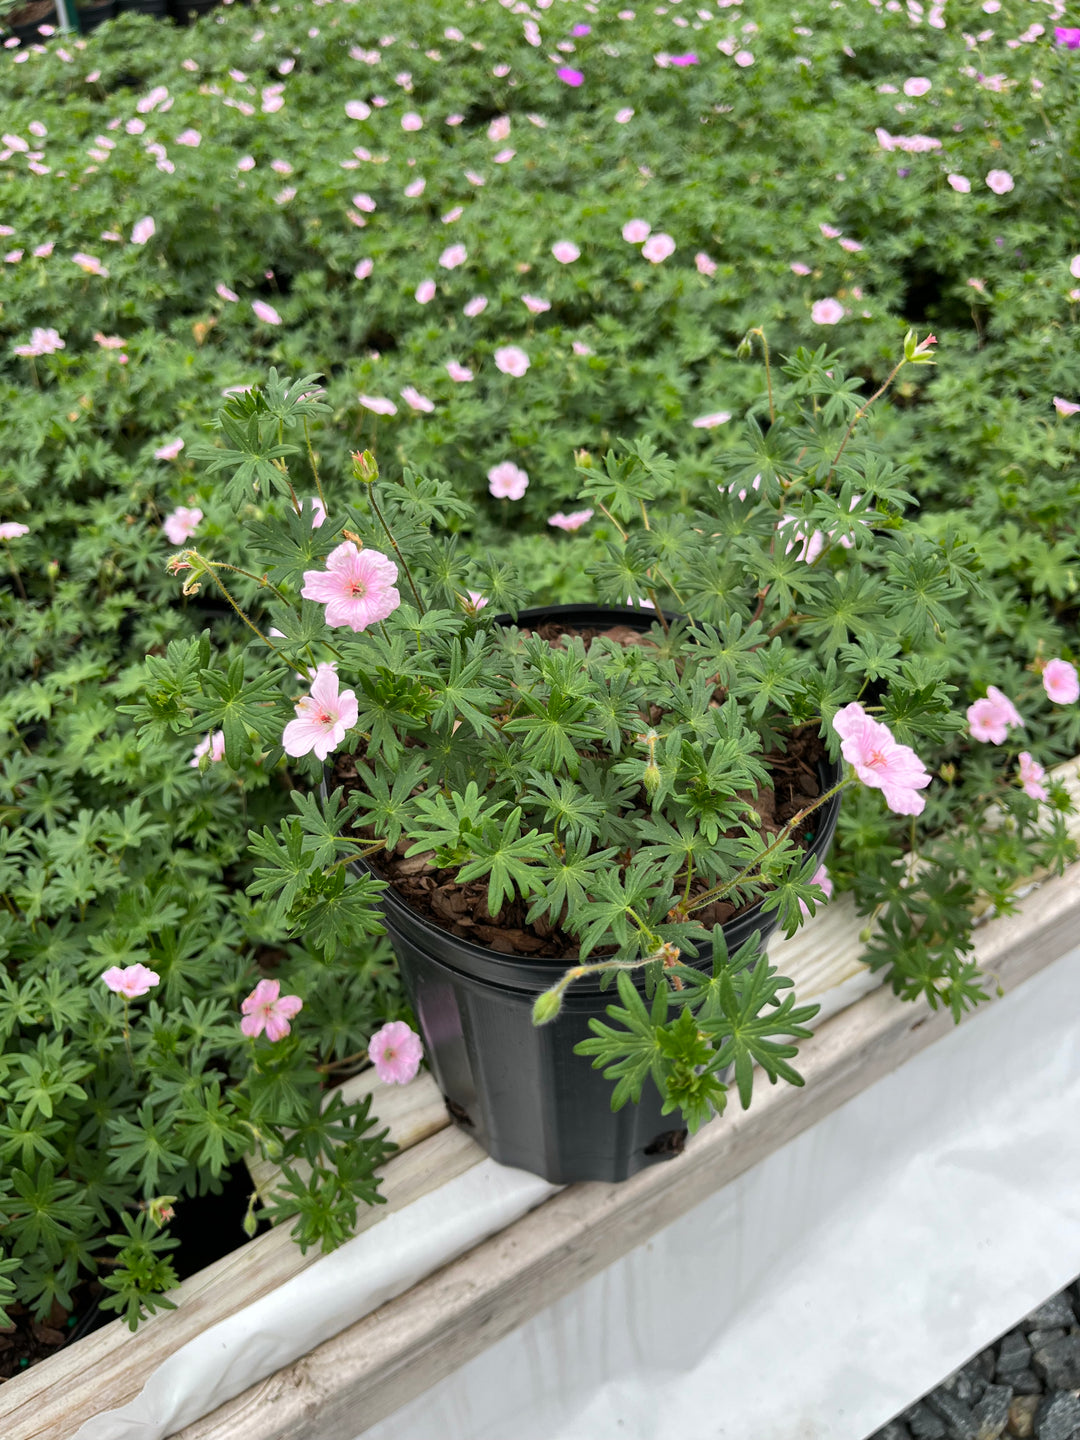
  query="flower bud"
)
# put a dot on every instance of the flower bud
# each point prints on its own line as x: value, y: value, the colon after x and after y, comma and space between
x: 547, y: 1006
x: 365, y: 467
x: 651, y: 778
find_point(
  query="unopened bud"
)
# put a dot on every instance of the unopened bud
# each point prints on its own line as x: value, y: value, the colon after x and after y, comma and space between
x: 547, y: 1006
x: 365, y: 466
x: 743, y: 349
x: 161, y: 1209
x: 651, y: 778
x: 948, y: 772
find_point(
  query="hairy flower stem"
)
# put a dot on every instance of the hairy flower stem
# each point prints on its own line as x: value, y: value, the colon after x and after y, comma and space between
x: 311, y: 462
x: 14, y: 571
x: 768, y: 370
x: 397, y: 551
x: 861, y: 412
x: 209, y: 569
x: 720, y: 891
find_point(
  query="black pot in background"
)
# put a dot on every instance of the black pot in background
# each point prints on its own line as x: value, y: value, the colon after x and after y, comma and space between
x: 27, y: 31
x: 91, y: 16
x: 186, y: 12
x: 158, y: 8
x: 519, y: 1089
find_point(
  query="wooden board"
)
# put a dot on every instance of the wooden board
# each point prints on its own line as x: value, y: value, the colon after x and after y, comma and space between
x: 397, y: 1352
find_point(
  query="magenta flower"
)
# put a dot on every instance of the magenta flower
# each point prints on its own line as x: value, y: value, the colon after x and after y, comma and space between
x: 357, y: 588
x: 130, y: 981
x: 266, y: 313
x: 396, y: 1053
x: 507, y: 481
x: 267, y: 1009
x: 323, y: 717
x: 143, y: 230
x: 869, y: 747
x: 827, y: 312
x: 1067, y: 36
x: 574, y: 521
x: 658, y: 247
x: 991, y: 718
x: 635, y: 231
x: 212, y: 746
x: 570, y: 77
x: 1061, y: 683
x: 565, y: 251
x: 169, y: 451
x: 1032, y: 775
x: 683, y: 60
x: 11, y: 530
x: 821, y: 879
x: 511, y: 360
x: 580, y: 30
x: 181, y: 525
x: 999, y: 181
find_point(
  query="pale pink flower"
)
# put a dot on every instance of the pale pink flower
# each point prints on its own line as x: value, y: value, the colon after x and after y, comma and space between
x: 364, y: 268
x: 411, y: 121
x: 130, y: 981
x: 109, y: 342
x: 1065, y: 407
x: 152, y: 100
x: 852, y: 246
x: 658, y: 247
x: 425, y: 292
x: 744, y: 58
x: 476, y: 602
x: 991, y: 718
x: 169, y: 452
x: 705, y: 265
x: 870, y: 748
x: 11, y: 530
x: 181, y: 524
x: 709, y: 422
x: 191, y: 138
x: 416, y: 188
x: 453, y: 256
x: 364, y: 202
x: 830, y: 232
x: 143, y: 230
x: 43, y: 341
x: 416, y: 401
x: 503, y: 157
x: 379, y: 404
x: 458, y: 373
x: 476, y: 306
x: 246, y: 163
x: 565, y: 251
x: 1060, y: 682
x: 574, y: 521
x: 13, y: 257
x: 318, y: 512
x: 580, y: 348
x: 624, y: 116
x: 213, y: 746
x: 44, y: 251
x: 90, y: 264
x: 357, y: 109
x: 799, y: 268
x: 452, y: 215
x: 917, y: 85
x: 535, y: 304
x: 821, y: 879
x: 507, y: 481
x: 811, y: 546
x: 1032, y: 775
x: 135, y: 127
x: 474, y: 179
x: 267, y: 1009
x: 396, y: 1052
x: 226, y: 294
x: 1074, y: 267
x: 511, y: 360
x: 827, y: 312
x: 323, y: 717
x: 636, y: 231
x: 357, y: 588
x: 265, y: 312
x: 960, y: 183
x: 499, y: 129
x: 999, y: 181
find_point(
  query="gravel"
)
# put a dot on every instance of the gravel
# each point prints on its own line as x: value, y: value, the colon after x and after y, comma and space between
x: 1026, y: 1386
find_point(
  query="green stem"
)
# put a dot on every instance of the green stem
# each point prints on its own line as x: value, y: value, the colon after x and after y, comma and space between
x: 311, y: 462
x: 15, y: 571
x: 861, y: 412
x: 209, y: 570
x: 397, y: 551
x: 768, y: 371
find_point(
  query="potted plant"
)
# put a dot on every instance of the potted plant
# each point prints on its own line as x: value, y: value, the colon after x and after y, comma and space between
x: 542, y: 802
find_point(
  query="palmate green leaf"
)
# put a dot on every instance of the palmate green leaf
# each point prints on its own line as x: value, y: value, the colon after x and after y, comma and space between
x: 622, y: 909
x: 248, y: 462
x: 458, y: 695
x: 690, y: 1082
x: 289, y: 864
x: 630, y: 1051
x: 235, y: 704
x: 553, y: 730
x: 568, y: 880
x: 385, y: 803
x: 509, y: 860
x: 750, y: 1021
x: 340, y: 910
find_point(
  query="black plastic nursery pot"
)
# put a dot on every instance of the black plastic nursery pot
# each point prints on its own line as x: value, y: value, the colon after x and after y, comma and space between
x: 517, y: 1088
x: 91, y: 16
x: 158, y: 8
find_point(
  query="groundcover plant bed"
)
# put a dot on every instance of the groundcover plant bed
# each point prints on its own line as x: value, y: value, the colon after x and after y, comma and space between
x: 499, y: 243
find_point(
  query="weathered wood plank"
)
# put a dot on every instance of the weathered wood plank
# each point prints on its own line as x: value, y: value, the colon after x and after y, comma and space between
x: 110, y: 1367
x: 392, y: 1355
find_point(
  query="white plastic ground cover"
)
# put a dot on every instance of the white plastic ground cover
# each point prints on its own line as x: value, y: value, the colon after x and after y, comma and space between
x: 322, y: 1300
x: 835, y: 1282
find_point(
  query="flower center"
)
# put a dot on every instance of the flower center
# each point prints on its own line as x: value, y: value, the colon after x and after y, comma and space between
x: 325, y: 718
x: 357, y: 589
x: 876, y: 760
x: 389, y: 1053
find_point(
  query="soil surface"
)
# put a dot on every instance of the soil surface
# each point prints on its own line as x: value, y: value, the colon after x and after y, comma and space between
x: 435, y: 894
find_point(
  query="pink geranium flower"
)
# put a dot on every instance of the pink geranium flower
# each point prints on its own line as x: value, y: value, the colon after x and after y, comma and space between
x: 318, y: 512
x: 569, y: 76
x: 181, y: 525
x: 476, y: 306
x: 416, y: 401
x: 143, y: 230
x: 43, y: 341
x: 266, y: 313
x: 1032, y: 775
x: 658, y: 247
x: 1067, y: 36
x: 511, y: 360
x: 999, y: 181
x: 535, y: 304
x: 453, y: 256
x: 357, y: 588
x: 267, y: 1009
x: 709, y: 422
x: 11, y: 530
x: 458, y: 373
x: 364, y: 268
x: 323, y: 717
x: 870, y: 748
x: 1065, y: 408
x: 130, y: 981
x: 705, y: 265
x: 827, y: 312
x: 991, y: 718
x: 574, y: 521
x: 507, y: 481
x: 396, y: 1053
x: 1061, y: 683
x: 821, y: 879
x: 357, y: 109
x: 412, y: 122
x: 213, y: 746
x: 169, y: 451
x: 565, y: 251
x: 624, y: 116
x: 379, y: 404
x: 635, y: 231
x: 425, y: 292
x: 225, y: 293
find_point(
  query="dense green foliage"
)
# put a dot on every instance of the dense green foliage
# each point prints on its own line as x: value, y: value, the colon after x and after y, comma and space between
x: 113, y: 850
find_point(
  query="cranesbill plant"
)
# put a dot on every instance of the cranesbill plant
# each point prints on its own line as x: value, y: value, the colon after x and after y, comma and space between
x: 606, y: 801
